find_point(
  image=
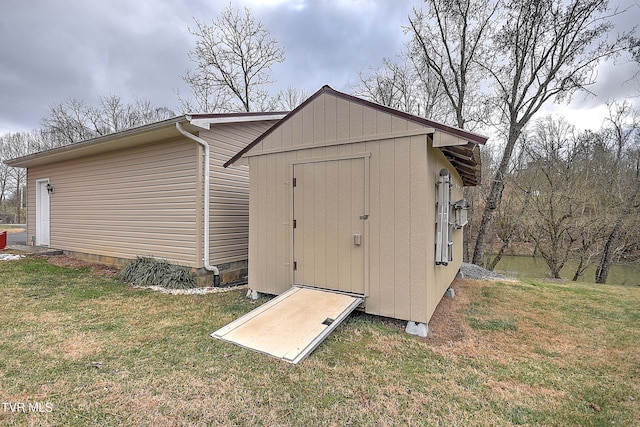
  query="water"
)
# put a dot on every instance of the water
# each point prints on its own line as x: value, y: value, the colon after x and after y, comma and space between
x: 535, y: 267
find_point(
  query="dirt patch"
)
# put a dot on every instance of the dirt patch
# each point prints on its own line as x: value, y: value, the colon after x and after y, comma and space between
x: 96, y: 268
x: 517, y: 391
x: 447, y: 324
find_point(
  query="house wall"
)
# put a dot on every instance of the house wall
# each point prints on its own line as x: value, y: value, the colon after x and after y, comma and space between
x: 229, y: 190
x: 401, y: 279
x: 124, y: 203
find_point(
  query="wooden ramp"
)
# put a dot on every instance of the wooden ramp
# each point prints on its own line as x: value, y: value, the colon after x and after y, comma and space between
x: 291, y: 325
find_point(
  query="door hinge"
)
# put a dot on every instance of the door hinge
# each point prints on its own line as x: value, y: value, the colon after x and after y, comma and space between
x: 295, y: 223
x: 295, y: 265
x: 294, y: 182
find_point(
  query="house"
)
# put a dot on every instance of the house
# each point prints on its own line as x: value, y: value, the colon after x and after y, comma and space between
x: 157, y: 190
x: 350, y: 196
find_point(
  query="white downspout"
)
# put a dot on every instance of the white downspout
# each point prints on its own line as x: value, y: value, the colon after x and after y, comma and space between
x: 205, y: 145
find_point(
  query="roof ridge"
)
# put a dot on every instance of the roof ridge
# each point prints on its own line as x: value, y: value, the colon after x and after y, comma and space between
x: 472, y: 137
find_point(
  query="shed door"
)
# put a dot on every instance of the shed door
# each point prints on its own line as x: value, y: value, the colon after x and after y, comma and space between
x: 329, y: 216
x: 42, y: 213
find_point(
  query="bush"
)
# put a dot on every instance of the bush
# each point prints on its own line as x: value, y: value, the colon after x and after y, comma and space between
x: 145, y: 271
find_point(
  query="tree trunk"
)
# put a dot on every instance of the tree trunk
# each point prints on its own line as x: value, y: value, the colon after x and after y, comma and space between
x: 579, y: 271
x: 602, y: 272
x: 495, y: 196
x: 494, y: 262
x: 554, y: 272
x: 466, y: 236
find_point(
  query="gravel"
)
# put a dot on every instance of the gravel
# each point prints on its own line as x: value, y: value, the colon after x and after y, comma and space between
x: 10, y: 257
x: 193, y: 291
x: 472, y: 271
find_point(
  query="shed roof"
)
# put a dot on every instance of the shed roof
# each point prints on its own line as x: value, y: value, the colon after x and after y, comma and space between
x: 137, y: 136
x: 465, y: 158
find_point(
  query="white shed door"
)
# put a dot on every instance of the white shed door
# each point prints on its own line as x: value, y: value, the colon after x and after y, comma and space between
x: 42, y: 213
x: 329, y: 216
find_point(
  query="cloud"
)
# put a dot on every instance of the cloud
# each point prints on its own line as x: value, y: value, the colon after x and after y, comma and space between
x: 85, y: 49
x: 55, y: 49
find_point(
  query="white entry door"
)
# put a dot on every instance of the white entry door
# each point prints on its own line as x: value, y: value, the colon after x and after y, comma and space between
x: 329, y: 216
x: 42, y: 213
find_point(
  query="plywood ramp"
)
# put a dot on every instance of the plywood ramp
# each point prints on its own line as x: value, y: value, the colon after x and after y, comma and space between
x: 291, y: 325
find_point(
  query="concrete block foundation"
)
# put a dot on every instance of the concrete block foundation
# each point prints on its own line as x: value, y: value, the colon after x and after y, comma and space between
x: 418, y: 329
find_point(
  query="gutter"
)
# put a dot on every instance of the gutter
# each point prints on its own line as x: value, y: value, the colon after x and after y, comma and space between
x: 205, y: 145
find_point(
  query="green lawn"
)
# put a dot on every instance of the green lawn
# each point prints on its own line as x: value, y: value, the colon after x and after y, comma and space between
x: 87, y: 350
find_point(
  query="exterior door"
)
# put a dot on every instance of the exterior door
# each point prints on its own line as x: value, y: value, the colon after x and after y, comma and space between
x: 42, y: 213
x: 329, y: 215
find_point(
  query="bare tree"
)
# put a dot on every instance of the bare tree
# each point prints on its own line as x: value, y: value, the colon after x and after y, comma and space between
x: 70, y: 121
x: 515, y: 207
x: 113, y: 115
x: 634, y: 50
x: 554, y: 182
x: 619, y: 181
x: 401, y: 86
x: 12, y: 179
x: 233, y: 57
x: 448, y: 41
x: 146, y: 112
x: 74, y: 120
x: 547, y: 49
x: 289, y: 98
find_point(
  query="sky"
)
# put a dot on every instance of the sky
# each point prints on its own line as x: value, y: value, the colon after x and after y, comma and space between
x: 52, y: 50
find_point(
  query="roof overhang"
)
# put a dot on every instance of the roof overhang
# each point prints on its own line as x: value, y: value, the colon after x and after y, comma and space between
x: 158, y: 131
x: 466, y: 160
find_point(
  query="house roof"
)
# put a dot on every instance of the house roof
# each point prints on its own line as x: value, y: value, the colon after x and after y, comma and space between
x: 465, y: 158
x: 137, y: 136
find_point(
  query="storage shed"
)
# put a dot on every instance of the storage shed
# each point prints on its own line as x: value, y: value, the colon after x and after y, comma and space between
x: 354, y: 197
x: 158, y: 190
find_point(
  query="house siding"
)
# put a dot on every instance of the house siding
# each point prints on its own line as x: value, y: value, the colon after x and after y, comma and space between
x: 125, y: 203
x: 229, y: 190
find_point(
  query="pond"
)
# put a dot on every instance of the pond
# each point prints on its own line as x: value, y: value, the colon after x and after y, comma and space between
x: 535, y: 267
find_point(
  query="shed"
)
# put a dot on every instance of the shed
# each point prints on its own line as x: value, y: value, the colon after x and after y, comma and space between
x: 358, y: 198
x: 158, y: 190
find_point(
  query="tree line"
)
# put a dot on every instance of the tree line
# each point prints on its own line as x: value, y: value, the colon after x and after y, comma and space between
x: 574, y: 195
x: 488, y: 66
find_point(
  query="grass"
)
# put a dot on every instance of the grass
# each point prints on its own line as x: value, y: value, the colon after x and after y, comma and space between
x: 524, y: 353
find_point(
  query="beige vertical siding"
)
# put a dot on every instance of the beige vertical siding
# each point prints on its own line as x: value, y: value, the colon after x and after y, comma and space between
x: 138, y: 201
x: 229, y: 190
x: 441, y: 276
x: 329, y: 199
x: 401, y: 278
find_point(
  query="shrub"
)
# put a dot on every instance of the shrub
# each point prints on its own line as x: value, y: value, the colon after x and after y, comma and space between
x: 145, y: 271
